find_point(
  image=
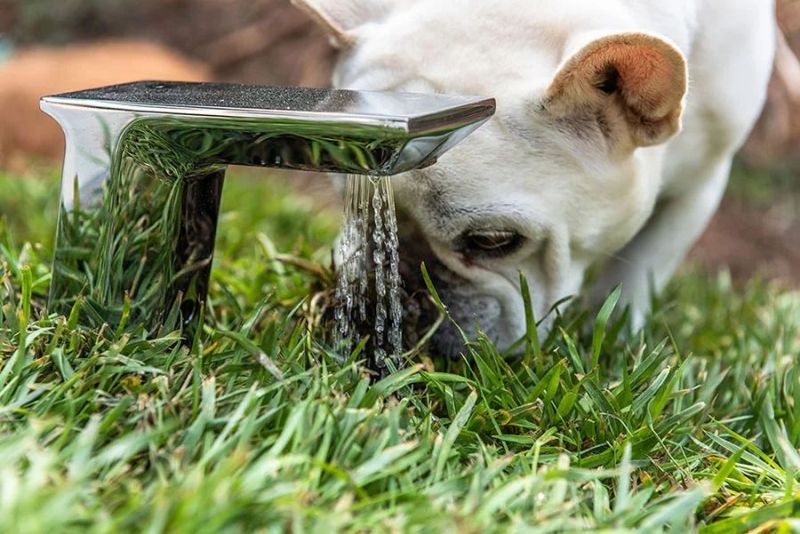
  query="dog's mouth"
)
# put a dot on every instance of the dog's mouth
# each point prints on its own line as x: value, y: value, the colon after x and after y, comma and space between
x: 468, y: 308
x: 420, y: 312
x: 424, y: 324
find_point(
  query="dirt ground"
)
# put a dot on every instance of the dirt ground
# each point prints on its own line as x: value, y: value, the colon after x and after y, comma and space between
x: 752, y: 242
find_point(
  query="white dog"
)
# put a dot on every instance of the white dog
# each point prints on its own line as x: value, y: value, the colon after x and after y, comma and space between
x: 616, y: 124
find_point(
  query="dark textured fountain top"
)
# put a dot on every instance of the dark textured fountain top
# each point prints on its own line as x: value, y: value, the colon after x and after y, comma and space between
x: 412, y: 112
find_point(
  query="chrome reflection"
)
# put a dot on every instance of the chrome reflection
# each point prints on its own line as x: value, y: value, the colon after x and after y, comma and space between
x: 145, y: 164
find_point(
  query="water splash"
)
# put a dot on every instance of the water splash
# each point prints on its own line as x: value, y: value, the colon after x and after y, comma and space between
x: 368, y: 272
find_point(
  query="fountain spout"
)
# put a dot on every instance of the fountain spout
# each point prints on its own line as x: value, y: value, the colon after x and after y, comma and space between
x: 145, y: 163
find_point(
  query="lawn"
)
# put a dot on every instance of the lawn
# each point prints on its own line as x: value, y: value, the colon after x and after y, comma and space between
x: 692, y: 424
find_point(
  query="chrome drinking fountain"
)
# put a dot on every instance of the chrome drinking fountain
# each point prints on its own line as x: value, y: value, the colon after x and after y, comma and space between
x: 145, y: 163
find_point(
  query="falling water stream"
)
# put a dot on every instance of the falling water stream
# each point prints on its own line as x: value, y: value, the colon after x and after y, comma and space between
x: 368, y: 286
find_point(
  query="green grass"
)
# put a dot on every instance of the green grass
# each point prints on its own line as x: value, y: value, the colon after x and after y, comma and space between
x: 692, y: 425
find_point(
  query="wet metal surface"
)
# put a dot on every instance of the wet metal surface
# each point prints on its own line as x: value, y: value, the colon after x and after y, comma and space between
x: 145, y: 164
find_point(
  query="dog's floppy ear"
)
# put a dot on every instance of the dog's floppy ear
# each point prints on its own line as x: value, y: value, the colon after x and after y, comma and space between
x: 635, y: 80
x: 341, y: 17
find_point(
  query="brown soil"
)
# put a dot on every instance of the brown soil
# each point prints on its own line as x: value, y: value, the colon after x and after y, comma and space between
x: 751, y: 242
x: 26, y: 133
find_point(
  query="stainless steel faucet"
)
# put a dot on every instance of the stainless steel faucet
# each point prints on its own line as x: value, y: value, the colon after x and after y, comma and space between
x: 144, y: 167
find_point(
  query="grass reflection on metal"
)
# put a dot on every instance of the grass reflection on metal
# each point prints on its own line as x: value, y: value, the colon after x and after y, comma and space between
x: 143, y: 252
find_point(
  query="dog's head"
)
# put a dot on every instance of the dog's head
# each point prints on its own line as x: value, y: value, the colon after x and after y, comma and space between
x: 556, y: 180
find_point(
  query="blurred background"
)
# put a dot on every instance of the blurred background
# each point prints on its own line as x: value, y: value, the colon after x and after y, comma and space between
x: 50, y: 46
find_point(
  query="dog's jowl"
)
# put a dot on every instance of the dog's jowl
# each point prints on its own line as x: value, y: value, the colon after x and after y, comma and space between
x: 616, y: 125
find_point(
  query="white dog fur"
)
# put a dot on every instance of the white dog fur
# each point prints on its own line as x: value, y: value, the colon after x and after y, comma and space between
x: 616, y: 124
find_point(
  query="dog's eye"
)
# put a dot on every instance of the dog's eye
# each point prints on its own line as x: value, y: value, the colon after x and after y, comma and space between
x: 492, y: 243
